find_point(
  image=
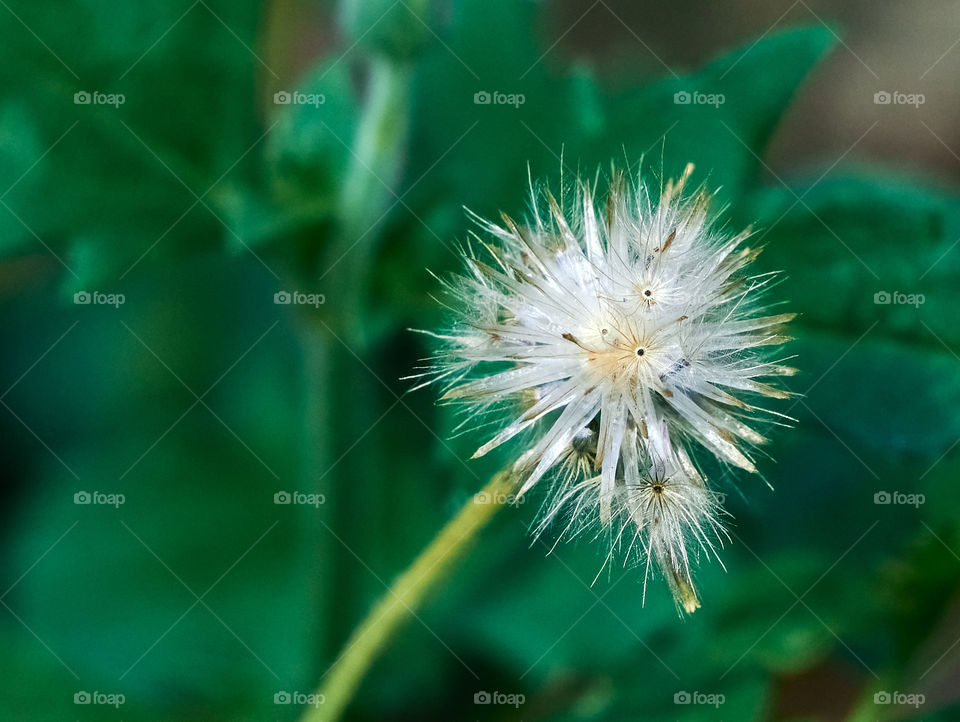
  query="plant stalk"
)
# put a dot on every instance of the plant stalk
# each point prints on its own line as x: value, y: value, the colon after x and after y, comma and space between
x: 401, y: 600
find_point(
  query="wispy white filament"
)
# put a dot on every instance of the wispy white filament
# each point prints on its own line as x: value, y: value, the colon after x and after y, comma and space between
x: 621, y: 339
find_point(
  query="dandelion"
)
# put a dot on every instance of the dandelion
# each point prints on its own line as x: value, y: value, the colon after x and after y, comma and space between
x: 620, y: 339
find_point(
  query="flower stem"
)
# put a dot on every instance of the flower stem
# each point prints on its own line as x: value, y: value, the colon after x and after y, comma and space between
x: 318, y: 428
x: 402, y: 599
x: 865, y: 710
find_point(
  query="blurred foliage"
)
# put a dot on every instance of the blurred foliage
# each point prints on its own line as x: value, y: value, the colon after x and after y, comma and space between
x: 198, y: 399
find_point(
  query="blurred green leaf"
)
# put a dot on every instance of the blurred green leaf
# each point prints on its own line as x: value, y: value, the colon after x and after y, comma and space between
x: 848, y: 245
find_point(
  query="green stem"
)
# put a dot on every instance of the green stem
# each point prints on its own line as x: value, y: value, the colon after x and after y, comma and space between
x: 866, y: 708
x: 377, y: 147
x: 368, y: 187
x: 399, y: 602
x: 317, y: 444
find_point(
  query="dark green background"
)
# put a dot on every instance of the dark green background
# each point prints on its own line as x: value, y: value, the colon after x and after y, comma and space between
x: 199, y: 199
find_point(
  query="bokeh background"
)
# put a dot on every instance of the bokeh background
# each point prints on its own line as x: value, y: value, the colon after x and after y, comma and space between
x: 180, y: 164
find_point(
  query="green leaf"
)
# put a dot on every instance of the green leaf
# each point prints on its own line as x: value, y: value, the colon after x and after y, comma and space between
x: 477, y: 154
x: 859, y: 235
x: 115, y: 593
x: 848, y: 245
x: 121, y: 177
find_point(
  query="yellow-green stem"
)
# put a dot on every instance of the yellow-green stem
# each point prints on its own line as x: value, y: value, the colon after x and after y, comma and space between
x: 865, y: 710
x: 368, y: 640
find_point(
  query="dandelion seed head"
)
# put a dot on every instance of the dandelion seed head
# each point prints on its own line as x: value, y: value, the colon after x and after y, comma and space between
x: 617, y: 338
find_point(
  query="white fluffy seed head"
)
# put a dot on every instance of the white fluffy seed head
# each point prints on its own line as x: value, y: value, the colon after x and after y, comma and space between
x: 619, y: 339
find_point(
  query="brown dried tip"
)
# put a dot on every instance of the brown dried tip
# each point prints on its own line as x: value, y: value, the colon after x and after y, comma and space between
x: 685, y: 593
